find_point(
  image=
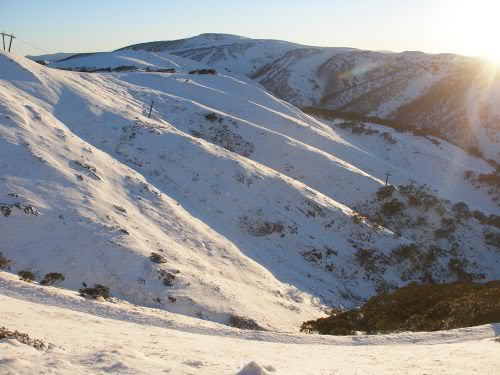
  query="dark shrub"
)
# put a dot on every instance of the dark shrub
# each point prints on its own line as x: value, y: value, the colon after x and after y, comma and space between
x: 405, y: 252
x: 493, y: 220
x: 441, y: 233
x: 23, y: 338
x: 340, y: 323
x: 211, y: 117
x: 415, y: 307
x: 5, y: 210
x: 27, y: 276
x: 98, y: 291
x: 169, y: 279
x: 414, y: 201
x: 391, y: 208
x: 244, y: 323
x: 203, y: 71
x: 461, y: 210
x: 52, y: 278
x: 492, y: 179
x: 476, y: 152
x: 4, y: 262
x: 385, y: 192
x: 258, y: 227
x: 357, y: 218
x: 157, y: 258
x: 492, y: 239
x: 124, y: 68
x: 312, y: 255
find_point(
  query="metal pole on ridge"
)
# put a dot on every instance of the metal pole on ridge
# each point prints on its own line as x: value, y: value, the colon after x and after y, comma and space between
x: 11, y: 37
x: 151, y: 108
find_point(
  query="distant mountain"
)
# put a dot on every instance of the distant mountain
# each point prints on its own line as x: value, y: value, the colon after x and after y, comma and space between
x: 454, y: 97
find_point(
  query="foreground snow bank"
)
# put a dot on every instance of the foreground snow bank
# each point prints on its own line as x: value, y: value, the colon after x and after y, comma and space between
x: 126, y: 339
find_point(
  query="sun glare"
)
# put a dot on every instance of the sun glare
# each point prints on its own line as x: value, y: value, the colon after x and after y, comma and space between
x: 477, y: 28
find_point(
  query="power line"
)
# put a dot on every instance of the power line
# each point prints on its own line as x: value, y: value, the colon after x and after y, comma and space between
x: 33, y: 46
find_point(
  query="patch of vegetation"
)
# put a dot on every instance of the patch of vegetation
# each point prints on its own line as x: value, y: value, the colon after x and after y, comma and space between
x: 221, y: 135
x: 371, y: 260
x: 244, y: 323
x: 312, y: 255
x: 160, y: 70
x: 52, y: 278
x: 157, y: 258
x: 476, y: 152
x: 430, y: 307
x: 492, y: 239
x: 491, y: 181
x: 385, y: 192
x: 357, y: 218
x: 4, y: 262
x: 121, y: 68
x: 5, y: 210
x: 23, y: 338
x: 168, y: 279
x: 212, y: 117
x: 392, y: 208
x: 314, y: 209
x: 203, y: 71
x: 461, y: 210
x: 493, y: 220
x: 260, y: 227
x: 26, y: 276
x: 419, y: 263
x: 97, y: 292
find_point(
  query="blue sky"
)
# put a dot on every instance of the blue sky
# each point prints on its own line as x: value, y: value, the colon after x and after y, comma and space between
x: 90, y: 25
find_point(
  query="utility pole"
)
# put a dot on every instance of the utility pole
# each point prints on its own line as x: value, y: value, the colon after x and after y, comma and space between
x: 151, y: 108
x: 11, y: 36
x: 387, y: 174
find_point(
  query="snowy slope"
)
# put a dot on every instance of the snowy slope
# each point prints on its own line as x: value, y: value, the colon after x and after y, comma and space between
x: 138, y: 59
x: 128, y: 339
x: 412, y: 89
x: 51, y: 57
x: 248, y: 200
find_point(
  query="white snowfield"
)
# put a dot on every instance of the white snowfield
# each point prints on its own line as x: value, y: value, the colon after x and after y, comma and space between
x: 103, y: 337
x: 246, y: 204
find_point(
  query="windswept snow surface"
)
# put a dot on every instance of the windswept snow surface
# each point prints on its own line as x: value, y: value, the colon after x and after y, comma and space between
x: 115, y: 337
x: 245, y: 200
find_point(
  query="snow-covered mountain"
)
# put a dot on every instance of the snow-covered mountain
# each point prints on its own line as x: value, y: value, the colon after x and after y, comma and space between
x: 227, y: 201
x: 454, y: 97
